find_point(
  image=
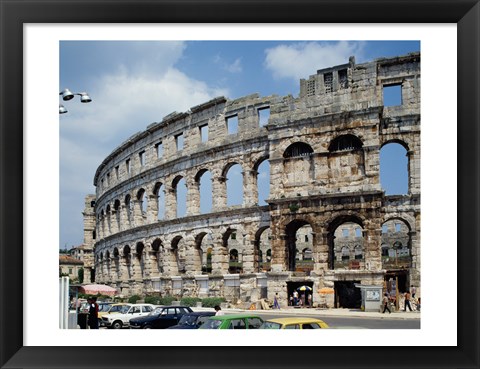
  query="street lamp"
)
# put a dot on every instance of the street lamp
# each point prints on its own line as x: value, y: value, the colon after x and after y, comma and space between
x: 68, y: 95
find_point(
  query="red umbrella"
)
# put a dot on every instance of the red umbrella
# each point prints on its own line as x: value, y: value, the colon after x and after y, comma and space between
x: 95, y: 289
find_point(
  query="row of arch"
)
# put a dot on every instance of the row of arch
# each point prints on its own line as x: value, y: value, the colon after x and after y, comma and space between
x: 207, y: 193
x: 209, y: 252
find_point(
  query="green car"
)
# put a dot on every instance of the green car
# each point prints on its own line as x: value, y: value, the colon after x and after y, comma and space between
x: 233, y: 321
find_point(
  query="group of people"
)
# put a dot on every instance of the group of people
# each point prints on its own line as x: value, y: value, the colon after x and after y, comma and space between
x: 92, y: 312
x: 295, y: 300
x: 408, y: 297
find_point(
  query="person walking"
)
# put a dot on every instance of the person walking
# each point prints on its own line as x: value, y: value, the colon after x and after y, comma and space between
x: 407, y: 302
x: 385, y: 303
x: 276, y: 305
x: 413, y: 290
x: 295, y: 298
x: 92, y: 313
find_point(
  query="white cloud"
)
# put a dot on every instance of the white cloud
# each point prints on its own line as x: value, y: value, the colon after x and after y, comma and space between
x: 124, y: 102
x: 235, y: 67
x: 299, y: 60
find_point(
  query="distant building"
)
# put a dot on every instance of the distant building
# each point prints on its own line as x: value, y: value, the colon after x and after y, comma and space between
x: 70, y: 266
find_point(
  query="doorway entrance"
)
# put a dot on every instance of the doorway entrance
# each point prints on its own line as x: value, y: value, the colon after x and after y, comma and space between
x: 347, y: 295
x: 294, y: 286
x: 397, y: 278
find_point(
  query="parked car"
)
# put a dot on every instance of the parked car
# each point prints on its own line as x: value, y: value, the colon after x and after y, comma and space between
x: 161, y: 317
x: 122, y: 318
x: 112, y: 309
x: 294, y: 323
x: 193, y: 320
x: 233, y: 321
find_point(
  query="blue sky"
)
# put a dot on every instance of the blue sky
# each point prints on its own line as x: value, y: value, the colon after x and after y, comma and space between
x: 134, y: 83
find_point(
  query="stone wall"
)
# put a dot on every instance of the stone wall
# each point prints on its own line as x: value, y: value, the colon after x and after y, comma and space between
x: 323, y: 148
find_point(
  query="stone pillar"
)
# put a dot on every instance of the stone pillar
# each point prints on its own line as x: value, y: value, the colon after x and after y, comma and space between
x: 248, y: 256
x: 118, y: 271
x: 219, y: 193
x: 320, y: 252
x: 193, y: 262
x: 137, y: 213
x: 193, y: 197
x: 136, y: 260
x: 122, y: 218
x: 113, y: 222
x: 219, y: 258
x: 278, y: 244
x: 152, y: 210
x: 169, y: 262
x: 170, y: 203
x: 372, y: 237
x: 250, y: 190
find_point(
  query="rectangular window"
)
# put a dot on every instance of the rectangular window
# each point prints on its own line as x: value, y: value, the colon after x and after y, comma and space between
x: 345, y: 232
x: 232, y: 124
x: 311, y: 88
x: 358, y: 232
x: 233, y: 236
x: 263, y: 116
x: 397, y: 227
x: 204, y: 133
x: 328, y: 82
x: 127, y: 164
x: 108, y: 179
x: 342, y: 78
x: 159, y: 150
x: 102, y: 185
x: 384, y: 228
x: 141, y: 156
x: 392, y: 95
x: 117, y: 170
x: 306, y: 238
x: 179, y: 141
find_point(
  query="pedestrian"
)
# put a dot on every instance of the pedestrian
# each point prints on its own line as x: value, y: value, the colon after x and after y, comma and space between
x: 303, y: 299
x: 218, y: 310
x: 418, y: 304
x: 407, y: 301
x: 92, y: 313
x: 309, y: 300
x: 290, y: 300
x: 295, y: 298
x: 276, y: 305
x: 413, y: 290
x: 385, y: 303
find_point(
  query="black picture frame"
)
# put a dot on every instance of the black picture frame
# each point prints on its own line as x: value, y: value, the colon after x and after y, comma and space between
x: 14, y: 13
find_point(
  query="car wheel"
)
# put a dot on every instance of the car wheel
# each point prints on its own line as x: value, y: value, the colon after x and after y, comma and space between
x: 147, y: 327
x: 117, y: 324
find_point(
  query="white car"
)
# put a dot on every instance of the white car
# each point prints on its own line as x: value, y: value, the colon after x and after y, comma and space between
x: 122, y: 318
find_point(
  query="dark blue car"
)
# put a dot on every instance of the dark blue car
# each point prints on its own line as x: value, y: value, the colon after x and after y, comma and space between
x: 193, y: 320
x: 161, y: 317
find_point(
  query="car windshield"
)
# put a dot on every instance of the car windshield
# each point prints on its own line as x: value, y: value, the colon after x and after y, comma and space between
x: 188, y: 320
x: 104, y: 307
x: 270, y: 325
x: 211, y: 324
x: 156, y: 311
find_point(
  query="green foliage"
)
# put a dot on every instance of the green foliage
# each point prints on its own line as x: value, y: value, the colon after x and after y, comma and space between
x: 133, y: 299
x: 190, y: 301
x: 212, y: 301
x: 293, y: 207
x: 151, y: 300
x: 80, y: 275
x: 166, y: 300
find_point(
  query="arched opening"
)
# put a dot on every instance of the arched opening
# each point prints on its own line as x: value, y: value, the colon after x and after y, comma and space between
x: 234, y: 265
x: 204, y: 179
x: 204, y: 246
x: 116, y: 207
x: 394, y: 173
x: 116, y: 259
x: 263, y: 182
x: 140, y: 259
x: 396, y: 249
x: 346, y: 243
x: 180, y: 187
x: 128, y: 260
x: 261, y: 246
x: 142, y: 199
x: 292, y: 230
x: 234, y: 179
x: 298, y: 149
x: 156, y: 253
x: 345, y: 142
x: 180, y: 254
x: 159, y: 192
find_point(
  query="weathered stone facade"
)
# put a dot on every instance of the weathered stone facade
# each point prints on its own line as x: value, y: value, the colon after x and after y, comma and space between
x: 323, y: 149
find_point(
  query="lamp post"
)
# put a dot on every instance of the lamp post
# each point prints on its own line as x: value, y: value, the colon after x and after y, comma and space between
x: 68, y: 95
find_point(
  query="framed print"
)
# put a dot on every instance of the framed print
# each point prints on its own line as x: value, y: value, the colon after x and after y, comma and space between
x: 27, y: 296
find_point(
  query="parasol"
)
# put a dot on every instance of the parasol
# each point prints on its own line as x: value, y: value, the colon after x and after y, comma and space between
x: 94, y: 289
x: 305, y: 288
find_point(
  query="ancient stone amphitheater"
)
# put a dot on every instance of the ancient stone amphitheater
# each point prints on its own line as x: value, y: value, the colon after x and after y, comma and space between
x: 326, y: 222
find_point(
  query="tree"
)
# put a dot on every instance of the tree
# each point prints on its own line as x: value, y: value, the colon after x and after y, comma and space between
x: 80, y: 275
